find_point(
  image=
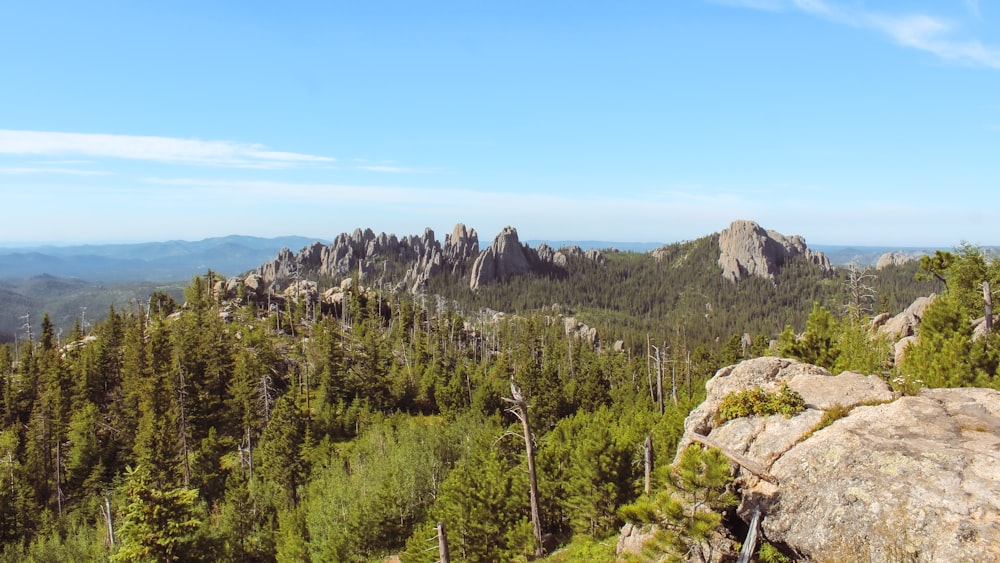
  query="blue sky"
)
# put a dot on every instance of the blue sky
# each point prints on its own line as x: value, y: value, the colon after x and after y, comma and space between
x: 845, y: 121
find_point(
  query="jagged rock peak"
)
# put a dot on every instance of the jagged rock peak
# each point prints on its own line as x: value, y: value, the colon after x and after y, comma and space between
x: 507, y: 257
x: 461, y: 244
x: 412, y: 259
x: 746, y: 249
x: 504, y: 258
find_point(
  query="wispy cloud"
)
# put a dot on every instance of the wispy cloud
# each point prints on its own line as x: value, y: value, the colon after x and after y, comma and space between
x: 768, y: 5
x: 256, y: 190
x: 148, y: 148
x: 395, y: 169
x: 50, y: 170
x: 932, y: 34
x: 973, y: 7
x: 935, y: 36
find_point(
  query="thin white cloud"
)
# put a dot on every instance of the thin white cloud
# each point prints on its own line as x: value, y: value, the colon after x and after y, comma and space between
x: 148, y: 148
x: 973, y: 7
x: 767, y: 5
x: 394, y: 169
x: 819, y: 8
x: 935, y: 36
x: 254, y: 191
x: 49, y: 170
x: 62, y: 162
x: 924, y: 32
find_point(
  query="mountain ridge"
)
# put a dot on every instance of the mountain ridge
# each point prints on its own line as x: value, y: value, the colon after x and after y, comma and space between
x: 174, y: 260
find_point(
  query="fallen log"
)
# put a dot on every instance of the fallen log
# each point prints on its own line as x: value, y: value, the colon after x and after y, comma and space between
x: 748, y: 464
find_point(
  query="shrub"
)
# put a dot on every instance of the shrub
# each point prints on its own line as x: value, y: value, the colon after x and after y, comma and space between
x: 767, y: 553
x: 756, y: 401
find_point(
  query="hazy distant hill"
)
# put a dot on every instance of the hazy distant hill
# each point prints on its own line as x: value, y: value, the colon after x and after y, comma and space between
x: 68, y: 299
x: 65, y: 280
x: 153, y: 261
x: 869, y: 255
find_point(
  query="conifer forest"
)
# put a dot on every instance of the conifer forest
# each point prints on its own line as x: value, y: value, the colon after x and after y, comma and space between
x: 227, y: 428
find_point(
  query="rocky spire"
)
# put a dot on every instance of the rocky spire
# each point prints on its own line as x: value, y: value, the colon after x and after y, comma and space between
x: 414, y: 259
x: 504, y: 258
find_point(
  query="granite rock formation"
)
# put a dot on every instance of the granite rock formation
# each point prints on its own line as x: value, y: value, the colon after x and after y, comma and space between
x: 504, y: 258
x: 411, y: 261
x: 746, y: 249
x: 892, y: 259
x: 914, y: 477
x: 507, y: 257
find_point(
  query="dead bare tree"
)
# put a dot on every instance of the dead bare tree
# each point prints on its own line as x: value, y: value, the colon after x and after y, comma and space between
x: 860, y: 292
x: 520, y: 410
x: 182, y: 428
x: 658, y: 359
x: 442, y: 535
x: 648, y: 457
x: 988, y: 305
x: 106, y: 513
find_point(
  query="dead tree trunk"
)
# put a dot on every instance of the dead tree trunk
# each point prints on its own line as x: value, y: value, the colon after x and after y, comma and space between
x: 520, y: 410
x: 687, y: 374
x: 748, y: 464
x: 443, y: 544
x: 648, y: 481
x: 649, y: 370
x: 182, y: 425
x: 657, y: 358
x: 750, y: 545
x: 106, y: 513
x: 673, y: 381
x: 988, y: 304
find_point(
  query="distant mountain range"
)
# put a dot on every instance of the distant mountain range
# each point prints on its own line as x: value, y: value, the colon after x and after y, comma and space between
x: 168, y: 261
x: 179, y: 260
x: 72, y: 281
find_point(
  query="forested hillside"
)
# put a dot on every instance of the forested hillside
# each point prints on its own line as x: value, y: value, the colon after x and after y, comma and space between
x: 245, y: 429
x: 679, y: 291
x: 67, y: 300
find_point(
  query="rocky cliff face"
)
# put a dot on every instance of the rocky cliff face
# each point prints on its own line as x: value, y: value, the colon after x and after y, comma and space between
x: 895, y: 478
x: 746, y: 249
x: 407, y: 263
x: 412, y: 259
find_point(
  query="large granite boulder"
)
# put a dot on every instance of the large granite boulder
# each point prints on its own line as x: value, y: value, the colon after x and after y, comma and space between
x: 893, y: 478
x: 892, y: 259
x: 905, y: 323
x: 918, y: 477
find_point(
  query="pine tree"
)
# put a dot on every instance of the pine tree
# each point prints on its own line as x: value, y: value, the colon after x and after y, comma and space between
x: 158, y: 523
x: 690, y: 509
x: 279, y: 455
x: 157, y: 440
